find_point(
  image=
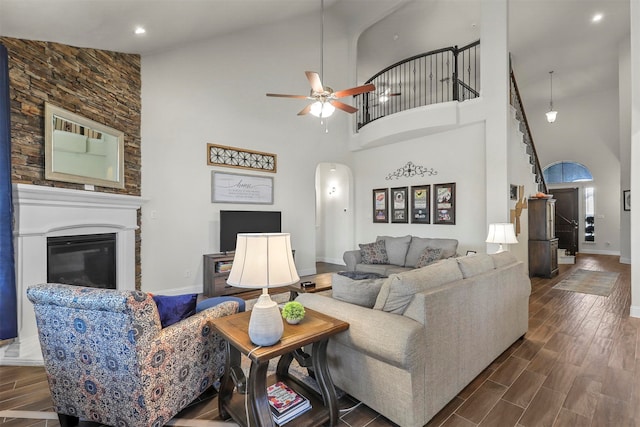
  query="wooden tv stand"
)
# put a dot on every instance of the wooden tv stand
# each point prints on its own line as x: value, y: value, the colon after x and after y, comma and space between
x: 215, y: 281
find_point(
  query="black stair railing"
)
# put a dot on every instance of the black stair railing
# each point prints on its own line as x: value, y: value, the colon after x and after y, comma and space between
x: 527, y: 137
x: 442, y: 75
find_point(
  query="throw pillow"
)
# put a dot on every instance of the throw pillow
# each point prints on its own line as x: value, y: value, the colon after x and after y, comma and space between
x: 398, y: 290
x: 503, y: 259
x: 474, y: 265
x: 374, y: 253
x: 396, y: 248
x: 418, y: 245
x: 429, y: 256
x: 173, y: 308
x: 359, y: 292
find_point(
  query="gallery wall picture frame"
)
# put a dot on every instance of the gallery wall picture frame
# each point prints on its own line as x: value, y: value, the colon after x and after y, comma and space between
x: 400, y: 205
x: 381, y: 205
x: 513, y: 192
x: 241, y: 188
x: 444, y: 201
x: 421, y: 204
x: 233, y: 157
x: 626, y: 200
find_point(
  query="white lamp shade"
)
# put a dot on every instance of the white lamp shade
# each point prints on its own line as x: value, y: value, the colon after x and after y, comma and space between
x: 502, y: 233
x: 263, y: 260
x: 551, y: 116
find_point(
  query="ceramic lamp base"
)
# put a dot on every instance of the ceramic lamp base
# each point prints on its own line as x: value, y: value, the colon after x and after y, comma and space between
x: 265, y: 323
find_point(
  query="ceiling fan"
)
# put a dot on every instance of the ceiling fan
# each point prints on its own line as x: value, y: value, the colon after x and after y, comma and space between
x: 325, y: 100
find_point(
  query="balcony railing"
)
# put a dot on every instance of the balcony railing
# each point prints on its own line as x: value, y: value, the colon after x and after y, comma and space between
x: 442, y: 75
x: 527, y: 136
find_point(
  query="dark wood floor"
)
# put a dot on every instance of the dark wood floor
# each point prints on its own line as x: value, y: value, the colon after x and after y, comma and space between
x: 578, y: 365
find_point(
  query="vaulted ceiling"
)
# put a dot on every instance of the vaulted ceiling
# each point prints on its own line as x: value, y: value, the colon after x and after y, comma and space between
x: 544, y: 35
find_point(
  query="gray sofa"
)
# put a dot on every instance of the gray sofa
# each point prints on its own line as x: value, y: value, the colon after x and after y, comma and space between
x: 402, y: 252
x: 431, y: 331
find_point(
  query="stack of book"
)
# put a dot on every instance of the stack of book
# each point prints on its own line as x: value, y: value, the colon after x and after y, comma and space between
x: 223, y: 266
x: 285, y: 403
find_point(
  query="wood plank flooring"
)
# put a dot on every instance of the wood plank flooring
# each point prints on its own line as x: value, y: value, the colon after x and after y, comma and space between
x: 578, y: 365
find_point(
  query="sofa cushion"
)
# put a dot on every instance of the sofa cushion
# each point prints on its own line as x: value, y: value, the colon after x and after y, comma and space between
x: 362, y: 292
x: 374, y: 253
x: 382, y: 269
x: 473, y: 265
x: 396, y: 247
x: 173, y: 308
x: 419, y: 244
x: 398, y: 290
x: 502, y: 259
x: 429, y: 256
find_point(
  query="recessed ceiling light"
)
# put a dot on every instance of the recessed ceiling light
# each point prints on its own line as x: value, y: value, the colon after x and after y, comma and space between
x: 140, y: 30
x: 597, y: 17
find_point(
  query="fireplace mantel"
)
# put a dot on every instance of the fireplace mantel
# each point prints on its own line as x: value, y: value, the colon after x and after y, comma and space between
x: 41, y: 212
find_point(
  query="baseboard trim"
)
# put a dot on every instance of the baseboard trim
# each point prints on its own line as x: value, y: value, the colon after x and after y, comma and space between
x: 624, y: 260
x: 599, y: 252
x: 634, y: 311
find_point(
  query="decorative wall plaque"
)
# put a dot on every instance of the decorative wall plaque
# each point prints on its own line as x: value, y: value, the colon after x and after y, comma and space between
x: 221, y: 155
x: 410, y: 170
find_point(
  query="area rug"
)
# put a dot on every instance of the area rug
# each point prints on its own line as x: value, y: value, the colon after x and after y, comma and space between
x: 589, y: 282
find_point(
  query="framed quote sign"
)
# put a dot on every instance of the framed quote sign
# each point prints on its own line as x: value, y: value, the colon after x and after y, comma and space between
x: 240, y: 188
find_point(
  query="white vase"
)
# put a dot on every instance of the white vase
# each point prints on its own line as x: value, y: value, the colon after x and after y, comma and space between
x: 293, y: 321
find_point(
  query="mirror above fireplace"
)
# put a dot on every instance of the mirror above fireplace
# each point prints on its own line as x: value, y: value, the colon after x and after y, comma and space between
x: 82, y: 151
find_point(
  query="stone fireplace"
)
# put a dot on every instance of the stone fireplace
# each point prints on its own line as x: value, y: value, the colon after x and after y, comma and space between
x: 48, y: 212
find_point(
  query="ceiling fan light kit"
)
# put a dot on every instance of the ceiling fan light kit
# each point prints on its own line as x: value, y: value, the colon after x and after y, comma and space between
x: 325, y: 100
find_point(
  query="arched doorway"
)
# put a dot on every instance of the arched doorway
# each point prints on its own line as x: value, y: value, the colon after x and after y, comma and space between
x: 334, y: 212
x: 575, y: 212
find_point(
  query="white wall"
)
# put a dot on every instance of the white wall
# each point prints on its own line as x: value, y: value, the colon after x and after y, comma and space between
x: 587, y: 131
x: 520, y: 175
x: 214, y: 92
x: 624, y: 95
x: 456, y: 155
x: 334, y: 212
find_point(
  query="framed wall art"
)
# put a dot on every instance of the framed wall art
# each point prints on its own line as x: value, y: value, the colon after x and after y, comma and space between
x: 444, y: 200
x: 400, y: 202
x: 232, y: 157
x: 381, y: 205
x: 240, y: 188
x: 513, y: 192
x: 420, y: 204
x: 626, y: 200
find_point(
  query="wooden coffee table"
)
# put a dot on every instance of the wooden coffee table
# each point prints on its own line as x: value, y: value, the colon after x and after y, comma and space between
x: 315, y: 328
x: 322, y: 283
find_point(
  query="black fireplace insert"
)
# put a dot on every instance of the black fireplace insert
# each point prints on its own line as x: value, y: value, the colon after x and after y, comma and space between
x: 82, y: 260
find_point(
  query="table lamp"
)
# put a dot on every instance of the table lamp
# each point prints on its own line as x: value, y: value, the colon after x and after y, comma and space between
x: 501, y: 233
x: 263, y: 260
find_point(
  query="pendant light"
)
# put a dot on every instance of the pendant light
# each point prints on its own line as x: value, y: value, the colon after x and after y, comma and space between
x: 551, y: 114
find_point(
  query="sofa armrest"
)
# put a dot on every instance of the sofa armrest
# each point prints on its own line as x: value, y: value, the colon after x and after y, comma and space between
x: 351, y: 259
x: 392, y: 338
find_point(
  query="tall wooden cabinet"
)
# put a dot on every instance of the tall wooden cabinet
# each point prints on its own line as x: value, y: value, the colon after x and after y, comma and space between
x: 543, y: 244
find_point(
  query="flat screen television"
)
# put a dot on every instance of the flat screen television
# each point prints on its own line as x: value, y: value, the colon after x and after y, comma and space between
x: 234, y: 222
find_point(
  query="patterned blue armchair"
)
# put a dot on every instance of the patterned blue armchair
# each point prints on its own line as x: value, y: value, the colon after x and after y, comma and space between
x: 108, y: 359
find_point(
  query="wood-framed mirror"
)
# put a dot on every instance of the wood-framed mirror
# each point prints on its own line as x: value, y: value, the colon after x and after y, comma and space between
x: 82, y: 151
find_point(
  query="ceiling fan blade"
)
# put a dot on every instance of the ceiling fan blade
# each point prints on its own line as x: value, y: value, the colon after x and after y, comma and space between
x: 354, y: 90
x: 343, y: 106
x: 280, y: 95
x: 305, y: 110
x: 314, y: 81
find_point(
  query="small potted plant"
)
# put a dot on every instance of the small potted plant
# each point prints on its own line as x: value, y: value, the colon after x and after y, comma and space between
x: 293, y: 312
